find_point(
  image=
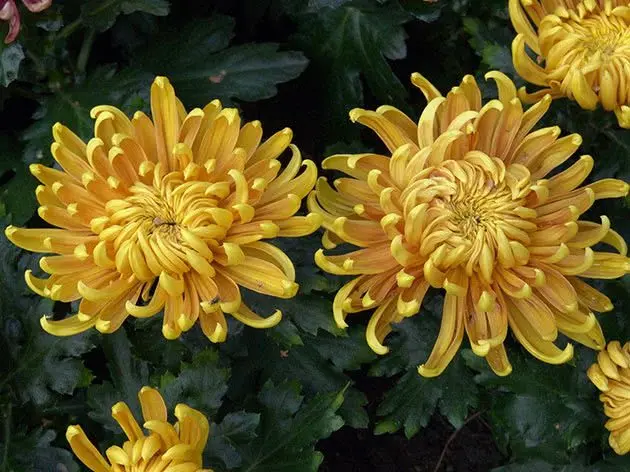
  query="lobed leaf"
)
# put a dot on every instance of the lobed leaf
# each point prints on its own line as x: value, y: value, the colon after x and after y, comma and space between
x: 200, y: 384
x: 38, y: 367
x: 210, y: 69
x: 413, y: 399
x: 289, y: 429
x: 101, y: 15
x: 350, y: 41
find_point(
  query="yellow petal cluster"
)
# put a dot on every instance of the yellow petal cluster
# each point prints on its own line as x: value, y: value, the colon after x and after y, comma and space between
x: 611, y: 375
x: 166, y: 447
x: 468, y: 202
x: 167, y: 214
x: 583, y: 50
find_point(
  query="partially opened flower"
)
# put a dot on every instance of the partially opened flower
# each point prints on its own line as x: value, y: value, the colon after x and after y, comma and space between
x: 163, y: 447
x: 167, y: 215
x: 611, y: 375
x: 583, y: 51
x: 467, y: 202
x: 9, y: 12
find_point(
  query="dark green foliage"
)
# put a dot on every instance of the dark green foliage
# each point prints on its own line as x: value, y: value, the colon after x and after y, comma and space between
x: 70, y: 104
x: 210, y: 68
x: 226, y: 437
x: 350, y: 42
x: 37, y: 367
x: 35, y: 453
x: 128, y: 375
x: 200, y: 384
x: 412, y: 401
x: 102, y: 15
x: 289, y: 428
x: 270, y: 396
x: 17, y: 196
x: 544, y: 411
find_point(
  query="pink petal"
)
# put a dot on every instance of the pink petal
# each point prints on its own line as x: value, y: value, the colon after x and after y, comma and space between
x: 37, y: 5
x: 8, y: 11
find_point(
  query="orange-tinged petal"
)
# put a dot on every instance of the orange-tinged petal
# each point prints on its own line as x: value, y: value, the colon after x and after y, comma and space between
x: 449, y: 338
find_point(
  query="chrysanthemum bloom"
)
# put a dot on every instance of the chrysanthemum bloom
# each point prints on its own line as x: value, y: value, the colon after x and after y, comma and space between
x: 165, y: 448
x: 9, y: 12
x: 611, y: 375
x: 466, y: 202
x: 167, y: 214
x: 583, y: 51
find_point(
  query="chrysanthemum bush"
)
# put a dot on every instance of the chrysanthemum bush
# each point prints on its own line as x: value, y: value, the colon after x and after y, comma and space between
x: 168, y: 303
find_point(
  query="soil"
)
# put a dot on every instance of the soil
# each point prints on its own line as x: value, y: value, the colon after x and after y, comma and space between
x: 472, y: 449
x: 436, y: 448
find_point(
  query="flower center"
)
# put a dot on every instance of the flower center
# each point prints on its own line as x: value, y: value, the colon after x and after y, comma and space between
x: 475, y: 215
x: 172, y: 226
x: 596, y: 38
x: 601, y: 35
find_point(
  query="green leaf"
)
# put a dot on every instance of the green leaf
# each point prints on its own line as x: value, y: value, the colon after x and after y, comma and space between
x: 128, y: 375
x: 47, y: 363
x: 143, y: 337
x: 286, y: 334
x: 348, y: 42
x: 35, y: 453
x: 71, y: 105
x: 538, y: 466
x: 14, y: 293
x: 543, y: 411
x: 310, y: 312
x: 347, y: 352
x: 11, y: 56
x: 17, y: 194
x: 413, y: 400
x: 423, y: 10
x: 208, y: 70
x: 290, y: 429
x: 226, y: 437
x: 37, y: 366
x: 101, y: 15
x: 200, y: 384
x: 412, y: 339
x: 317, y: 372
x: 491, y: 40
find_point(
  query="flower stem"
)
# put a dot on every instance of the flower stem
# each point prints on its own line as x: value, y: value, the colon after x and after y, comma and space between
x: 69, y: 29
x: 86, y: 48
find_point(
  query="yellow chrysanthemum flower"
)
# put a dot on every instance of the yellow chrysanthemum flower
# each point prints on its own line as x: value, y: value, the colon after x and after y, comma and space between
x: 167, y: 214
x: 583, y: 51
x: 167, y: 447
x: 611, y: 375
x: 466, y: 203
